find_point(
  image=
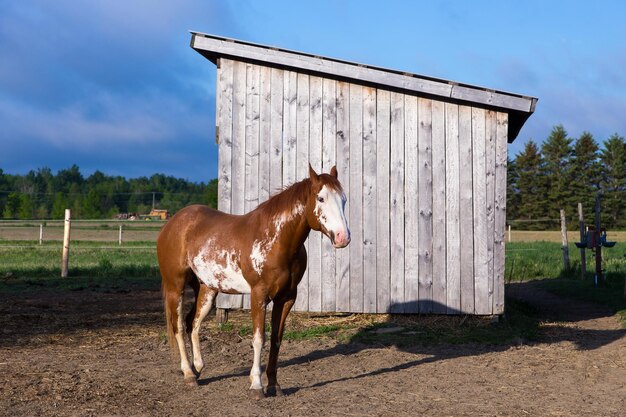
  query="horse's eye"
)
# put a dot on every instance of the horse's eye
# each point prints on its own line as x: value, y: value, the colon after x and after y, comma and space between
x: 320, y: 199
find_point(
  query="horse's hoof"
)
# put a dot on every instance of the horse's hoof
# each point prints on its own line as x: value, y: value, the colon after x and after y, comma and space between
x: 191, y: 381
x: 274, y: 391
x: 256, y: 394
x: 196, y: 372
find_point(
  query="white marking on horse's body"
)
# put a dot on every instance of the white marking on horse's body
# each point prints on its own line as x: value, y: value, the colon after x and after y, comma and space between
x: 261, y: 248
x: 219, y: 268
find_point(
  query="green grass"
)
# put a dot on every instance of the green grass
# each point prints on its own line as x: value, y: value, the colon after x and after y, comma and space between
x: 313, y: 332
x: 245, y: 330
x: 91, y: 265
x: 539, y: 260
x: 536, y: 260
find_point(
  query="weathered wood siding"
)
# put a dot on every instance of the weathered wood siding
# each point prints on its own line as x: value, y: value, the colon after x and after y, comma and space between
x: 425, y: 180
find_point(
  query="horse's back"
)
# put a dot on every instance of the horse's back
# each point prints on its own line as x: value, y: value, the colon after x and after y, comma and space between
x: 182, y: 231
x: 189, y: 221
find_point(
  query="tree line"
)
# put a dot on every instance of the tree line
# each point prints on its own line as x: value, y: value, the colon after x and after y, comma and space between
x: 563, y: 172
x: 43, y: 195
x: 541, y: 180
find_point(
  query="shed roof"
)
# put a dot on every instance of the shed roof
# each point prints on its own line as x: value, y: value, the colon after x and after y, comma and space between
x: 519, y: 107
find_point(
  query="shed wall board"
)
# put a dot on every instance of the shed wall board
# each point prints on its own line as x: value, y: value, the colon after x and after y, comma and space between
x: 302, y: 170
x: 439, y: 207
x: 315, y: 159
x: 355, y: 197
x: 342, y: 142
x: 396, y: 204
x: 383, y: 253
x: 329, y: 156
x: 425, y: 205
x: 411, y: 210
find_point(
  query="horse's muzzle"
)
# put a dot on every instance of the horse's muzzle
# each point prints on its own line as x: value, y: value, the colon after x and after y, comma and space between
x: 340, y: 239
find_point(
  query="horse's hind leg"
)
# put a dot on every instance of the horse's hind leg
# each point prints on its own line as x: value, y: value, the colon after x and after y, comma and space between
x: 173, y: 297
x: 205, y: 298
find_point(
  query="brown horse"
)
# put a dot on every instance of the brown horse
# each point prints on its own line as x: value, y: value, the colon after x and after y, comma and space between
x: 260, y: 253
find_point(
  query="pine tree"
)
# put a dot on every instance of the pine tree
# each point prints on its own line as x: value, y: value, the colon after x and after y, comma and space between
x: 26, y: 209
x: 557, y: 154
x: 12, y: 206
x: 58, y: 206
x: 512, y: 192
x: 586, y: 174
x: 531, y: 183
x: 91, y: 205
x: 613, y: 167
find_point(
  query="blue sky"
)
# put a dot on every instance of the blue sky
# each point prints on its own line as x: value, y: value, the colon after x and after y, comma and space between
x: 114, y: 86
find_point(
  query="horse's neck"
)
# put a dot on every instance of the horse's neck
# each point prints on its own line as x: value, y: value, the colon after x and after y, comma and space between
x: 288, y: 226
x: 296, y: 228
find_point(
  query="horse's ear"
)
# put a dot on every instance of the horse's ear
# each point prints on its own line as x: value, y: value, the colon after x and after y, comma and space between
x: 312, y: 174
x: 333, y: 171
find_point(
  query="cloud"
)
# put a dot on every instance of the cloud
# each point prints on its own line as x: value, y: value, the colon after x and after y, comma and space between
x: 108, y: 85
x: 582, y: 91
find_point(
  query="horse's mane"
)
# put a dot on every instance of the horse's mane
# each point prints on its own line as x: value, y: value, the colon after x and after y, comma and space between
x: 294, y: 194
x: 287, y: 198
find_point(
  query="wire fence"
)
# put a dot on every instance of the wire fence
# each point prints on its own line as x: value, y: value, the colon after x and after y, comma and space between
x: 92, y: 234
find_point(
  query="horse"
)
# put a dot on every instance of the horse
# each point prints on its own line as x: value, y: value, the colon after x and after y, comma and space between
x: 260, y: 253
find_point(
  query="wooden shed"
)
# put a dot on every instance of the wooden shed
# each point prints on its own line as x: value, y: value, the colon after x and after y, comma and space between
x: 422, y: 160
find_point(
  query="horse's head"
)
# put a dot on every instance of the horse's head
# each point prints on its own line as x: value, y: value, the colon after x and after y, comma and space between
x: 324, y: 210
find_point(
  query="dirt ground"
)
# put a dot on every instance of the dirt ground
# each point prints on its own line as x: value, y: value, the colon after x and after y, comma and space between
x: 93, y: 353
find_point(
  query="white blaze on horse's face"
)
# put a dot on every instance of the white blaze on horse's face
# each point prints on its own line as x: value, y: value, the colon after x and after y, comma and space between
x: 329, y: 210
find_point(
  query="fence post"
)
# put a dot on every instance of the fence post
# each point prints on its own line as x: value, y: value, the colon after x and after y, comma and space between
x: 66, y: 244
x: 598, y: 248
x: 564, y: 241
x: 119, y: 239
x: 41, y: 234
x: 583, y: 257
x: 509, y: 233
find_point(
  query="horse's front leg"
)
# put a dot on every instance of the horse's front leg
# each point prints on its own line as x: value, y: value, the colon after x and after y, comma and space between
x: 257, y: 304
x: 279, y: 316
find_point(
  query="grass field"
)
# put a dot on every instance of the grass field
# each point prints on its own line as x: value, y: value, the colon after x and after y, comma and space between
x: 29, y: 260
x: 538, y: 260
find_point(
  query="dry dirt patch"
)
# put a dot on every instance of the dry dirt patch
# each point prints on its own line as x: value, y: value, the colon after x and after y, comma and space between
x: 94, y: 353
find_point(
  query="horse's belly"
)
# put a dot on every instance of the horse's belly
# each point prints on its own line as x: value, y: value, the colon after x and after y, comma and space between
x: 226, y: 276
